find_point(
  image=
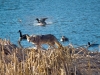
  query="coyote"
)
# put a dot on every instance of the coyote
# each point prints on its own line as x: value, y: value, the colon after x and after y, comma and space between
x: 38, y: 40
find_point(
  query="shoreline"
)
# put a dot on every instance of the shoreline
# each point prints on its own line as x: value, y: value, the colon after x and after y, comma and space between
x: 63, y: 61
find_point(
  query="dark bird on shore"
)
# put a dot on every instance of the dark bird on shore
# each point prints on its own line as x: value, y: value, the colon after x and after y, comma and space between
x: 22, y: 36
x: 41, y: 21
x: 63, y: 39
x: 92, y: 45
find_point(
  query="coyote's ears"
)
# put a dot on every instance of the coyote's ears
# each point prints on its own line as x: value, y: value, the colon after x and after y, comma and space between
x: 27, y: 36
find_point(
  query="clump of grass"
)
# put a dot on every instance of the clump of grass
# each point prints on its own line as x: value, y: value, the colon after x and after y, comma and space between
x: 62, y: 61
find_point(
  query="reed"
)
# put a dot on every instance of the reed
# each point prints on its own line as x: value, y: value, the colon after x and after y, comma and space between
x: 63, y: 61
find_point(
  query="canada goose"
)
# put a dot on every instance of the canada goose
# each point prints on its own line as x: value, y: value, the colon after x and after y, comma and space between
x: 92, y: 45
x: 41, y: 21
x: 63, y: 39
x: 22, y: 37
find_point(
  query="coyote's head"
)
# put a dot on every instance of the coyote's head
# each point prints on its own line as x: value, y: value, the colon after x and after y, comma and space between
x: 31, y: 38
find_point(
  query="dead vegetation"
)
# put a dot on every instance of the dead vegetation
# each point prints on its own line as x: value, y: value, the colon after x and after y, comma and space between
x: 63, y: 61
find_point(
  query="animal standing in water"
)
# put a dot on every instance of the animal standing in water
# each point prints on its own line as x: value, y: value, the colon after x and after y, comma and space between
x: 22, y: 37
x: 41, y: 21
x: 49, y: 39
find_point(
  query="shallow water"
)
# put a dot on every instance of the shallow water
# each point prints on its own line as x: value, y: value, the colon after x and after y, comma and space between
x: 79, y: 20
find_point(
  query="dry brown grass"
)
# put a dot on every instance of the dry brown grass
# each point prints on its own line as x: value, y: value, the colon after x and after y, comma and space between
x: 63, y: 61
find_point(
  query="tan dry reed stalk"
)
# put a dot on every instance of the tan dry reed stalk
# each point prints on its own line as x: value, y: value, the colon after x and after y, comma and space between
x: 62, y: 61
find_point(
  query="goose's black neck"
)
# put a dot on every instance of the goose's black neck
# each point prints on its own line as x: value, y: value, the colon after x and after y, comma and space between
x: 20, y: 33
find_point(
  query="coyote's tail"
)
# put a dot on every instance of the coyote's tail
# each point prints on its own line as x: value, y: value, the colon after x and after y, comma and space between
x: 58, y: 43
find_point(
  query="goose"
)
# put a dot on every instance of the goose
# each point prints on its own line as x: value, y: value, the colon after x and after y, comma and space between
x: 63, y: 39
x: 22, y: 37
x: 92, y: 45
x: 41, y: 21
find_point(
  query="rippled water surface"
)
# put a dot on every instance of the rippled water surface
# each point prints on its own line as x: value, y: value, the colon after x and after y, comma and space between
x: 79, y: 20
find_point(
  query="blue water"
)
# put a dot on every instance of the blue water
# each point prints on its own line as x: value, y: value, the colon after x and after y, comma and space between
x: 79, y: 20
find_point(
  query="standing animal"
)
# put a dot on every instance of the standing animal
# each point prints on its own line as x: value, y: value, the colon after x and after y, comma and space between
x: 41, y: 21
x: 63, y: 39
x: 38, y: 40
x: 22, y: 37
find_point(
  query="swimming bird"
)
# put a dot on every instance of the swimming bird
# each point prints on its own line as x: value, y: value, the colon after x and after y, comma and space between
x: 22, y: 37
x: 92, y: 45
x: 41, y: 21
x: 63, y: 39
